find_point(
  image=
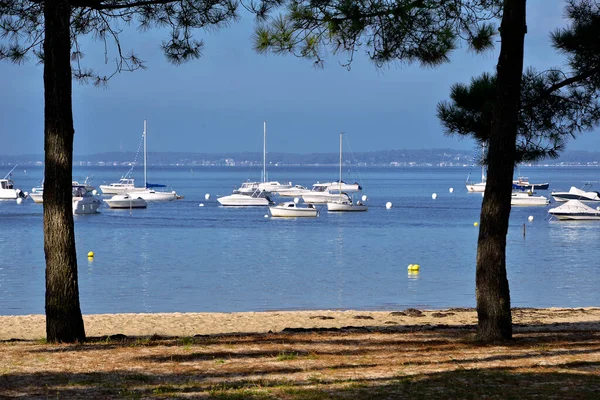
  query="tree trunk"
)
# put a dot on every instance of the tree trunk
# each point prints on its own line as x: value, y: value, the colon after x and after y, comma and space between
x: 64, y: 322
x: 492, y: 291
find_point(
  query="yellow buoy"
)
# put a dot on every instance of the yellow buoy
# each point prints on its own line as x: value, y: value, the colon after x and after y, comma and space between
x: 413, y: 267
x: 91, y: 254
x: 476, y: 224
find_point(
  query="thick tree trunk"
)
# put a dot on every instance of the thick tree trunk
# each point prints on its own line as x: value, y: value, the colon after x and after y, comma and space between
x: 493, y: 295
x: 64, y: 322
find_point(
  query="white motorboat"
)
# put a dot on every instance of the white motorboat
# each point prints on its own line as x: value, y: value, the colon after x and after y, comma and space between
x: 574, y: 210
x: 293, y: 210
x: 8, y: 190
x: 527, y: 199
x: 125, y: 185
x: 126, y: 201
x: 577, y: 194
x: 84, y: 202
x: 37, y: 194
x: 258, y: 198
x: 343, y: 202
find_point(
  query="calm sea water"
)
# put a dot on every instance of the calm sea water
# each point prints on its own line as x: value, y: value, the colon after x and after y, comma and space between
x: 180, y: 257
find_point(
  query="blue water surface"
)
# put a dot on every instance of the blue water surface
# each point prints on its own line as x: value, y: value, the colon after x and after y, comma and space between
x: 182, y: 257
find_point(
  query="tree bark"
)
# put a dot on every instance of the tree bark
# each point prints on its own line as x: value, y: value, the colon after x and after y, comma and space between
x: 64, y: 322
x: 492, y: 291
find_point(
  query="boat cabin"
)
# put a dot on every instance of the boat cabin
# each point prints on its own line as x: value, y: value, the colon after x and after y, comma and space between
x: 6, y: 184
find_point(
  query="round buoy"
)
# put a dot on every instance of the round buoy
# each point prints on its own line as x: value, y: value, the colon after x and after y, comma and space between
x: 201, y: 205
x: 19, y: 200
x: 364, y: 197
x: 414, y: 267
x: 296, y: 200
x: 476, y: 224
x: 266, y: 215
x: 207, y: 196
x: 91, y: 254
x: 388, y: 205
x: 94, y: 192
x: 434, y: 196
x: 451, y: 190
x: 530, y: 218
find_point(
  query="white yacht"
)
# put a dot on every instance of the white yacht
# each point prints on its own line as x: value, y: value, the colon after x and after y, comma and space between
x: 527, y: 199
x: 84, y: 202
x: 322, y: 193
x: 126, y: 201
x: 257, y: 198
x: 577, y: 194
x: 574, y: 210
x: 294, y: 191
x: 125, y: 185
x: 8, y: 190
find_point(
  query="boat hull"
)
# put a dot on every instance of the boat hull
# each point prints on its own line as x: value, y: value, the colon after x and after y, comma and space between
x: 151, y: 195
x: 475, y: 187
x: 126, y: 202
x: 241, y: 200
x: 524, y: 199
x: 346, y: 207
x: 86, y: 205
x: 295, y: 212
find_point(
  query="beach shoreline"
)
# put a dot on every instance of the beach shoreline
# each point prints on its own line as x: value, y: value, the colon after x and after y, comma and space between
x: 32, y: 327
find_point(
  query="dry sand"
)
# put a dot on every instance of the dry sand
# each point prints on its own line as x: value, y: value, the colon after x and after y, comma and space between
x: 31, y: 327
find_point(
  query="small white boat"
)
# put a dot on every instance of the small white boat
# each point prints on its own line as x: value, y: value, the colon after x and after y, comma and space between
x: 343, y: 202
x: 8, y: 190
x: 293, y: 210
x: 577, y: 194
x: 477, y: 187
x: 527, y: 199
x: 258, y: 198
x: 126, y: 201
x: 84, y: 202
x: 156, y: 195
x: 37, y: 194
x: 575, y: 210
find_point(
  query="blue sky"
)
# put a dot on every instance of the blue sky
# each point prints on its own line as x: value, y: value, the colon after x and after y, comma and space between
x: 219, y: 102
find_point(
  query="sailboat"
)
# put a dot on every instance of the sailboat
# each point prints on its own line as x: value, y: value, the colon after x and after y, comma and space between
x: 344, y: 202
x: 478, y: 187
x: 268, y: 187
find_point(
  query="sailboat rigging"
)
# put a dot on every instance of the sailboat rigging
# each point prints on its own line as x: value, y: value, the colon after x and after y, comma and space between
x: 344, y: 201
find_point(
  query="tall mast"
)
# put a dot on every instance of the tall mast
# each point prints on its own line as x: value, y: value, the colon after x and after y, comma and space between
x: 145, y: 181
x: 341, y: 165
x: 265, y: 151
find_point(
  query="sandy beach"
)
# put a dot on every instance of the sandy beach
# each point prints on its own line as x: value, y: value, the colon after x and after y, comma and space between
x: 31, y: 327
x: 408, y: 354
